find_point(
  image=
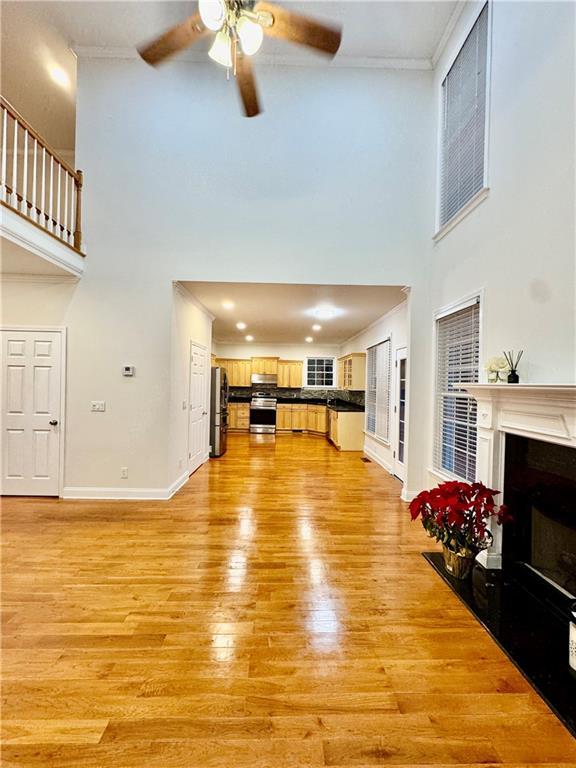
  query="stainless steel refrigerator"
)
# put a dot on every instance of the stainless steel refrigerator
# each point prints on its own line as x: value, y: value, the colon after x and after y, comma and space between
x: 218, y: 412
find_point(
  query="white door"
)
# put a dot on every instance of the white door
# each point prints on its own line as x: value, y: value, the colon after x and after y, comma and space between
x: 197, y: 413
x: 400, y: 415
x: 31, y: 399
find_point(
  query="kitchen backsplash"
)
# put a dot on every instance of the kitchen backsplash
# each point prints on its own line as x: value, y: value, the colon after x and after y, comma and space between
x: 350, y: 396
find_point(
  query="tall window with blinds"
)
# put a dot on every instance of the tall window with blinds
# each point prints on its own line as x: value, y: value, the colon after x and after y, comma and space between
x: 378, y: 390
x: 464, y: 123
x: 457, y: 361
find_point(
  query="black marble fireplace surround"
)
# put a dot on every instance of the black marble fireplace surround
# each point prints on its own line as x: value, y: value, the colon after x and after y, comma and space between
x: 525, y: 606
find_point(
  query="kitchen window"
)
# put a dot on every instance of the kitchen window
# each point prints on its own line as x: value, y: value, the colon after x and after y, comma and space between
x: 457, y: 361
x: 378, y: 391
x: 463, y: 138
x: 320, y: 372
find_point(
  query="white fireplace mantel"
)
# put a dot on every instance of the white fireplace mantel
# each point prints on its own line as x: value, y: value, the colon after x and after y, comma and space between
x: 544, y: 412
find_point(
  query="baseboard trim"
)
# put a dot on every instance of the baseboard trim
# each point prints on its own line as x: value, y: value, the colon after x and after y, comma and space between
x: 374, y: 457
x: 405, y: 495
x: 118, y: 494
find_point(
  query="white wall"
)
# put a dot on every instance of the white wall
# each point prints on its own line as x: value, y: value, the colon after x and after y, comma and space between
x: 518, y: 245
x: 283, y: 351
x: 190, y: 323
x: 393, y: 325
x: 336, y: 181
x: 331, y: 180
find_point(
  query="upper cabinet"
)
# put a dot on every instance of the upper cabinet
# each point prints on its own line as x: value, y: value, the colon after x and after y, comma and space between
x: 352, y: 371
x: 238, y: 371
x: 290, y: 373
x: 265, y: 365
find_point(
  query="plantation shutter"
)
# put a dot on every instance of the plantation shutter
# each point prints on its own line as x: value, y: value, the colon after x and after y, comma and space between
x: 457, y: 361
x: 378, y: 390
x: 464, y: 122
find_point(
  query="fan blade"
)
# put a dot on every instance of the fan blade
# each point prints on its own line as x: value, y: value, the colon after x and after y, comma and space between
x: 301, y: 29
x: 174, y: 40
x: 247, y: 86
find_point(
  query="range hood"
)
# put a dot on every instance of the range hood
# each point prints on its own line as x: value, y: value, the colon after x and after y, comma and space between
x: 271, y: 379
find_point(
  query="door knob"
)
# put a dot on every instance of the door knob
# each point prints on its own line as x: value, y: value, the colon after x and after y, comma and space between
x: 53, y: 423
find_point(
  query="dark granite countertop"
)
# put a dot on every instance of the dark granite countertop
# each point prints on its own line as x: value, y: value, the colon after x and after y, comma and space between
x: 335, y: 405
x: 343, y: 405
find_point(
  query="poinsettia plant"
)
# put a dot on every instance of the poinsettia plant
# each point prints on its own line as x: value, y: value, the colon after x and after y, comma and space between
x: 457, y: 514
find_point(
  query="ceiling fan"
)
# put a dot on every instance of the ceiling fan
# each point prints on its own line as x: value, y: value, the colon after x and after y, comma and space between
x: 240, y: 26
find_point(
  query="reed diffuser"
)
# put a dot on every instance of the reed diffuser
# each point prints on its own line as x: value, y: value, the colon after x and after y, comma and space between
x: 512, y: 361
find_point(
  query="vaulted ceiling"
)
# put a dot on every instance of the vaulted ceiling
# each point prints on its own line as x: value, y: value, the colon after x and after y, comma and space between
x: 38, y: 36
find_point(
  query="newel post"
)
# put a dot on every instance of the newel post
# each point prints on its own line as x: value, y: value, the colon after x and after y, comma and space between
x: 79, y: 180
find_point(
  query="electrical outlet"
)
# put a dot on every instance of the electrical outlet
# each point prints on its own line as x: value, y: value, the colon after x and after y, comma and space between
x: 124, y: 473
x: 98, y: 406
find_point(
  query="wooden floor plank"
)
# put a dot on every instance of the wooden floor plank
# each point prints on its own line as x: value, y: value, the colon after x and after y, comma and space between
x: 275, y: 613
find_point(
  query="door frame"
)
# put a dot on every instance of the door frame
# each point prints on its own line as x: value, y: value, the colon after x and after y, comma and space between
x: 207, y: 395
x: 63, y: 331
x: 400, y: 353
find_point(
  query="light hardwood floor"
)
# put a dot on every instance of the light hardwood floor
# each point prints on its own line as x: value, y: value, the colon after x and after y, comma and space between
x: 276, y: 612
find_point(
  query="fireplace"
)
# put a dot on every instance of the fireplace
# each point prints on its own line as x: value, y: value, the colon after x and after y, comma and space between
x: 522, y: 589
x: 540, y: 491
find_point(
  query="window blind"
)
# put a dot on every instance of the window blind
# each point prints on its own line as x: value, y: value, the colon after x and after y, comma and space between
x: 457, y: 361
x: 378, y: 390
x: 464, y: 122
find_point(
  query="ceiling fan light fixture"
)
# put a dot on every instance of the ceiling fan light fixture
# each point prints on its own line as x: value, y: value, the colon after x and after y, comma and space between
x: 251, y: 35
x: 212, y: 13
x: 221, y: 51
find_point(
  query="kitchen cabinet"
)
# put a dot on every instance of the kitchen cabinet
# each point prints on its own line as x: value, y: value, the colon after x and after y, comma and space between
x: 265, y: 365
x: 346, y: 429
x: 317, y: 419
x: 290, y: 373
x: 300, y: 417
x: 239, y: 417
x: 333, y: 426
x: 239, y: 371
x: 352, y: 371
x: 283, y: 418
x: 321, y: 422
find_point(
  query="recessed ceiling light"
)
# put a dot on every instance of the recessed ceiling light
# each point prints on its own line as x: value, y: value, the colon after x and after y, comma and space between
x: 316, y: 327
x: 59, y: 76
x: 249, y: 338
x: 228, y: 304
x: 324, y: 312
x: 309, y: 339
x: 241, y: 326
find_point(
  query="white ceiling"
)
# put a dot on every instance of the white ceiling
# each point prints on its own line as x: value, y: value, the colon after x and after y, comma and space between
x: 277, y: 313
x: 36, y: 34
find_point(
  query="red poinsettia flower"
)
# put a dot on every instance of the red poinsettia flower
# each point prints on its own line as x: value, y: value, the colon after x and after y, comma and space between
x: 459, y: 512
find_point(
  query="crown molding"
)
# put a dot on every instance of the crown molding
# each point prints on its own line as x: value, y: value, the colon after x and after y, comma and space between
x: 269, y: 60
x: 189, y: 296
x: 22, y: 277
x: 448, y: 29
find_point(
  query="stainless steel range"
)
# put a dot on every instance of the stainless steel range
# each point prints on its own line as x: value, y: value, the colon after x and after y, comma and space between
x: 262, y: 413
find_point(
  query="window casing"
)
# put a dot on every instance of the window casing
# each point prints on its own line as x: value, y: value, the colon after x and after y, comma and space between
x: 463, y: 139
x: 320, y: 372
x: 378, y: 390
x: 457, y: 361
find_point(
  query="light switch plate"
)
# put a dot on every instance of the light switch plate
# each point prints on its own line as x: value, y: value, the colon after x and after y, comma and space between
x: 98, y: 406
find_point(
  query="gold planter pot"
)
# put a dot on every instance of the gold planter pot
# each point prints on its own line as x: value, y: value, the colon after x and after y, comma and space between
x: 457, y: 564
